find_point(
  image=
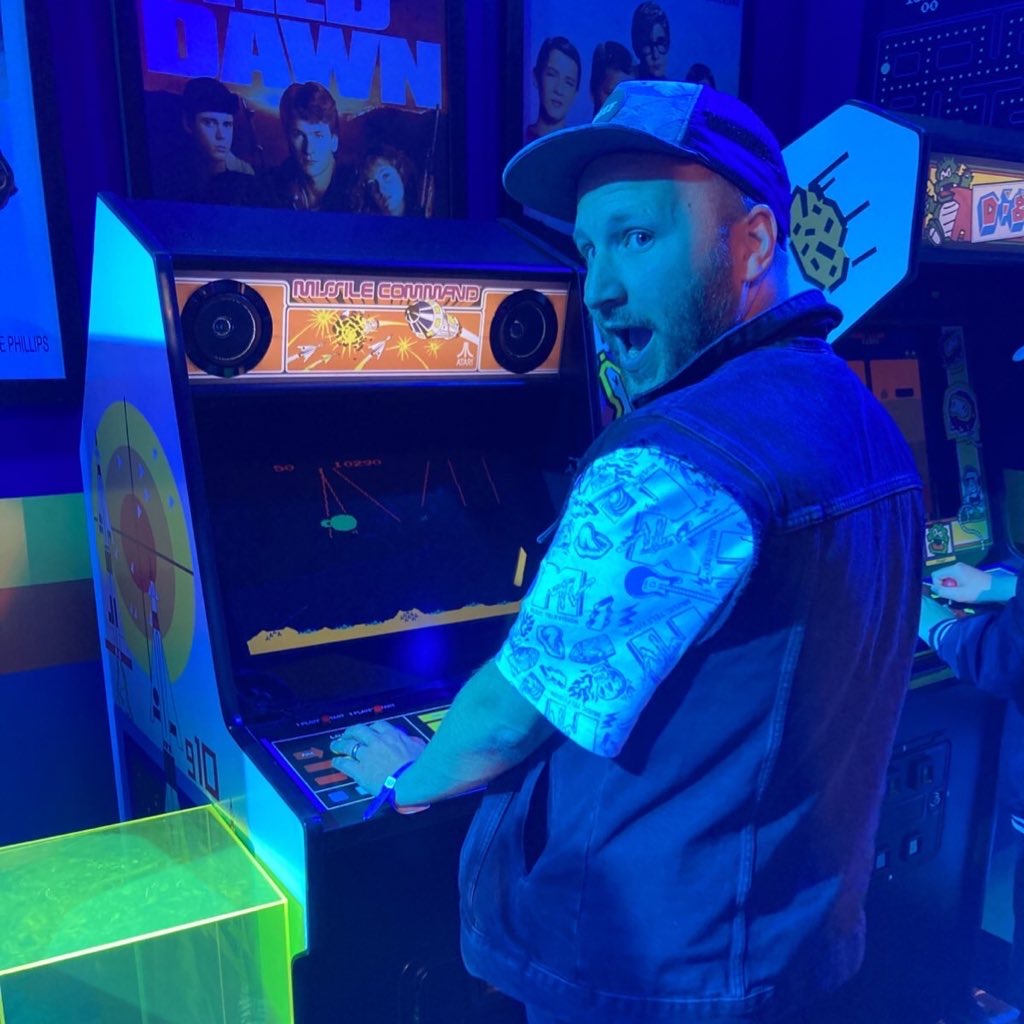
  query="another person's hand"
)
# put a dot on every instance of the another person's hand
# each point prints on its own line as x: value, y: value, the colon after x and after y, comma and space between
x: 371, y: 751
x: 932, y: 613
x: 964, y: 583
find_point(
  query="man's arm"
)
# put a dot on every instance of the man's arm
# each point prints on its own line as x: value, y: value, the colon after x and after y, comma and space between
x: 488, y: 729
x: 648, y: 552
x: 986, y: 650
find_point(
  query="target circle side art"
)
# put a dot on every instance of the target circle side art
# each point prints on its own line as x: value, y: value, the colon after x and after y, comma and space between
x: 142, y: 532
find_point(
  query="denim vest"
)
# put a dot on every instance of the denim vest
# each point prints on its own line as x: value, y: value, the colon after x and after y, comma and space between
x: 717, y: 867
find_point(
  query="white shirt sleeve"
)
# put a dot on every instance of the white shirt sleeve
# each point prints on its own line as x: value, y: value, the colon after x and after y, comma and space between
x: 648, y: 550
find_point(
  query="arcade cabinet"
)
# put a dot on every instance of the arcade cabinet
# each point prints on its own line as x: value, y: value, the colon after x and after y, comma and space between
x: 318, y: 456
x: 936, y: 352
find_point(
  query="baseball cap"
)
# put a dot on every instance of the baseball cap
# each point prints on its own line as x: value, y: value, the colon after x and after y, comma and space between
x: 694, y: 122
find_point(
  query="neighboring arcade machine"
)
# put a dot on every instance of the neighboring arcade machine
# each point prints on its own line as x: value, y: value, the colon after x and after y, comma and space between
x: 932, y: 352
x: 317, y: 464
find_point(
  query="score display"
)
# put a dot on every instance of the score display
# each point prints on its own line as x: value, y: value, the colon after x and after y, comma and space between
x: 950, y: 59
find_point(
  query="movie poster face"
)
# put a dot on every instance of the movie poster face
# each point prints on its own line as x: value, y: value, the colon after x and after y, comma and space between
x: 334, y: 105
x: 575, y: 54
x: 30, y: 337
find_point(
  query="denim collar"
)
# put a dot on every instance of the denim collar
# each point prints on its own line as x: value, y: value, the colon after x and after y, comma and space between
x: 806, y: 315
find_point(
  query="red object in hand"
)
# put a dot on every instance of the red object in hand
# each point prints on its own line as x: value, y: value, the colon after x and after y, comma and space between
x: 948, y: 581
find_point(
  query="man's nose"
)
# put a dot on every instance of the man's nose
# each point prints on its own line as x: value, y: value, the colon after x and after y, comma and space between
x: 602, y: 290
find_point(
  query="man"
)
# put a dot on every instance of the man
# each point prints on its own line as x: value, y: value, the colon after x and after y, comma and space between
x: 650, y: 36
x: 311, y: 178
x: 209, y: 170
x: 687, y: 729
x: 557, y: 76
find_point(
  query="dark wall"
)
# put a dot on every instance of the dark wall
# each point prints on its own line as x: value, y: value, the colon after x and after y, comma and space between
x: 84, y: 80
x: 802, y: 60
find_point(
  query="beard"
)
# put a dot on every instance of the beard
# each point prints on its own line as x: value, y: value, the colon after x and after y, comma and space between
x: 707, y: 308
x: 703, y: 307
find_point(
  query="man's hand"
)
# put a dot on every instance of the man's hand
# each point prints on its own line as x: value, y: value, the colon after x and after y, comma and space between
x: 371, y: 751
x: 965, y: 583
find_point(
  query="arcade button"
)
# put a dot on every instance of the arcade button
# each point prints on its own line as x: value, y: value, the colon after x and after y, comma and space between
x: 227, y: 327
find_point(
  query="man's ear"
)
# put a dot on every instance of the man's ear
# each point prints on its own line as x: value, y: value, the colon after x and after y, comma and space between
x: 186, y: 123
x: 756, y: 237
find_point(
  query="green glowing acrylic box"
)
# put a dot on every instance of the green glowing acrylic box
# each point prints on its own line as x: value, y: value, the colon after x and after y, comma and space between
x: 165, y: 920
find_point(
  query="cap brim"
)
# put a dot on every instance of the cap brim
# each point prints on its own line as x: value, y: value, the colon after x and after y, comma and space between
x: 545, y: 175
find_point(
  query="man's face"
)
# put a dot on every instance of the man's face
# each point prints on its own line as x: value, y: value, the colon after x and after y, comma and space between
x: 660, y: 281
x: 313, y: 145
x: 213, y: 132
x: 654, y: 52
x: 558, y: 84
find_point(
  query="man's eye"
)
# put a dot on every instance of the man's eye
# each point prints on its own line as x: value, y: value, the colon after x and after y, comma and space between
x: 637, y: 239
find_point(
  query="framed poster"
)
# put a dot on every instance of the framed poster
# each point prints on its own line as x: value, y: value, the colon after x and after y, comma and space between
x: 30, y: 329
x: 572, y: 56
x: 335, y: 105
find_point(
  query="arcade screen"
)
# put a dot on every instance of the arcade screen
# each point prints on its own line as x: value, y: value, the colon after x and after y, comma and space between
x: 334, y: 106
x: 383, y: 529
x: 948, y: 59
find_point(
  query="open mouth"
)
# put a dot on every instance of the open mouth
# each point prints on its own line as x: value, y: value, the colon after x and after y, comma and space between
x: 632, y: 342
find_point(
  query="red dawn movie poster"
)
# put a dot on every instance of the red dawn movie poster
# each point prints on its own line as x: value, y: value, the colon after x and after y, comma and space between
x: 337, y: 105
